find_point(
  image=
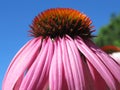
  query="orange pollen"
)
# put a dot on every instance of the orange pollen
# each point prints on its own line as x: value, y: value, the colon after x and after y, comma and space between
x: 61, y: 21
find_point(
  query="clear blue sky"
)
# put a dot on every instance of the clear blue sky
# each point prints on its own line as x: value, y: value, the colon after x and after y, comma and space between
x: 17, y: 15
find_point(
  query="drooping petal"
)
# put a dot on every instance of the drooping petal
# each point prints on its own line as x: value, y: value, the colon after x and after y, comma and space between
x: 99, y: 82
x: 37, y: 75
x: 108, y: 61
x: 20, y: 63
x: 67, y: 66
x: 96, y: 62
x: 74, y: 68
x: 46, y: 68
x: 56, y: 70
x: 85, y: 81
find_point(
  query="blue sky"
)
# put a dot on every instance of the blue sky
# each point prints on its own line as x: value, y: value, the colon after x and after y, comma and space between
x: 17, y: 15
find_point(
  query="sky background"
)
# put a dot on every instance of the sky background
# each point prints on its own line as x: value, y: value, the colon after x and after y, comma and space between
x: 17, y: 15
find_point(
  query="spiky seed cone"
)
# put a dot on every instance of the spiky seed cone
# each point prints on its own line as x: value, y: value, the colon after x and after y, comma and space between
x: 57, y: 22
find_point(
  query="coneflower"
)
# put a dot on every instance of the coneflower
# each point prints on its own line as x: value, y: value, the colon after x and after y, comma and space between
x: 62, y: 56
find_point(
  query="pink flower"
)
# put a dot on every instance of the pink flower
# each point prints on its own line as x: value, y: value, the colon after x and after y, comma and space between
x: 62, y: 56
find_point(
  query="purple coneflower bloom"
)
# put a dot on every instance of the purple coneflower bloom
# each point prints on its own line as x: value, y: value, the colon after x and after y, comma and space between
x: 62, y: 56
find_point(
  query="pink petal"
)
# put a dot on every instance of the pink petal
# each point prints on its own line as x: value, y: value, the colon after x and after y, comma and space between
x: 107, y: 60
x: 113, y: 67
x: 20, y: 63
x: 37, y: 75
x: 84, y: 77
x: 99, y: 82
x: 74, y: 67
x: 56, y: 69
x: 46, y: 68
x: 67, y: 66
x: 96, y: 62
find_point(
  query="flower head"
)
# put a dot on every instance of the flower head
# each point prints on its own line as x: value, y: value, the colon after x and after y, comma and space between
x: 58, y: 22
x: 62, y: 56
